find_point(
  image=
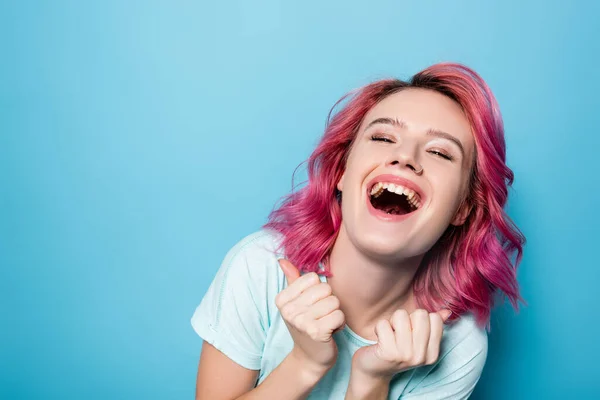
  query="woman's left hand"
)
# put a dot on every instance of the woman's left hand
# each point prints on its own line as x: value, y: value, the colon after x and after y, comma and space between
x: 403, y: 342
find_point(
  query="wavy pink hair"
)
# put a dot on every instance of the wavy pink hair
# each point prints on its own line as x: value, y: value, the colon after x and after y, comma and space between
x: 469, y: 263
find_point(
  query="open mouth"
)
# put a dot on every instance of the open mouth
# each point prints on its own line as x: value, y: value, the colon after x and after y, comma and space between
x: 394, y: 199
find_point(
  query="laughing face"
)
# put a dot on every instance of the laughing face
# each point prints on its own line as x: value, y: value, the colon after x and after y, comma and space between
x: 406, y: 175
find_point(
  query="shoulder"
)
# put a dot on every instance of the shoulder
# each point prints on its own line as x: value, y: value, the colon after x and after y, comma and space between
x: 258, y: 250
x: 465, y: 332
x: 463, y: 348
x: 235, y: 312
x: 248, y: 277
x: 253, y: 260
x: 260, y: 245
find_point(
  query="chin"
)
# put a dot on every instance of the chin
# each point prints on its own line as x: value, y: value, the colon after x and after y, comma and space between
x: 380, y: 245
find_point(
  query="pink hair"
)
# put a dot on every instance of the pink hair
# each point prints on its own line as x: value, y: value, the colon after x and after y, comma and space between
x: 470, y: 262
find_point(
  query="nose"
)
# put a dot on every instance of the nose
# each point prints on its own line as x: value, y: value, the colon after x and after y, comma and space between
x: 404, y: 156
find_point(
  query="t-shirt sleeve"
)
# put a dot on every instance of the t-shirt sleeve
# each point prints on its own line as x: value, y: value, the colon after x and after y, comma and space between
x: 455, y: 376
x: 233, y: 314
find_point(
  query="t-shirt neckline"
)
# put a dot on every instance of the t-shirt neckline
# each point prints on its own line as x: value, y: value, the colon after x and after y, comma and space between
x: 361, y: 341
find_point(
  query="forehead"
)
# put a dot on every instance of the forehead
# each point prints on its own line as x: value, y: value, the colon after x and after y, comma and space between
x: 423, y: 109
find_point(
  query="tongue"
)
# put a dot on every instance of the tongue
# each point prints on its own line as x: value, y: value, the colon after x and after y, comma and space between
x: 394, y: 209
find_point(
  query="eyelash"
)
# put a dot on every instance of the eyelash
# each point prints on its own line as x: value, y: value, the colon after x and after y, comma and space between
x: 445, y: 156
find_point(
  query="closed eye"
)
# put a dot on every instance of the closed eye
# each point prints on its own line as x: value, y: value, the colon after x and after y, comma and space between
x: 440, y: 154
x: 377, y: 138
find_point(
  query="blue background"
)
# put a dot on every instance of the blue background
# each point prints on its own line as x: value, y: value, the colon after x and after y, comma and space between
x: 140, y: 140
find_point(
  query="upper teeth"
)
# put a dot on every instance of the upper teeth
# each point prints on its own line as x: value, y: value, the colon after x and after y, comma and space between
x: 411, y: 195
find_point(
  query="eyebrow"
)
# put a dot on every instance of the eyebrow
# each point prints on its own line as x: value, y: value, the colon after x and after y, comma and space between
x: 430, y: 132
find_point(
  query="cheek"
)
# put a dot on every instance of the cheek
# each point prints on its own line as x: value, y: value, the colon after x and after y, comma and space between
x: 357, y: 167
x: 450, y: 191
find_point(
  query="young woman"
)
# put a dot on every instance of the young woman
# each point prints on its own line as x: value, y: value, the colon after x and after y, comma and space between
x: 376, y: 279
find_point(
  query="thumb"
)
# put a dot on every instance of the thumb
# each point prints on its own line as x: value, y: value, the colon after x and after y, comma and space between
x: 445, y: 314
x: 290, y: 271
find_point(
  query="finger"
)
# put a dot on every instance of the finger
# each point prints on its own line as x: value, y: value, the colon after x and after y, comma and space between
x: 445, y: 314
x: 338, y: 329
x: 313, y: 294
x: 421, y: 330
x: 386, y: 341
x: 323, y: 307
x: 332, y: 322
x: 435, y: 337
x: 402, y: 333
x: 293, y: 291
x: 289, y: 270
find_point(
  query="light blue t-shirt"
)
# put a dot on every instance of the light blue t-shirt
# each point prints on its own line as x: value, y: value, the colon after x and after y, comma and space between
x: 239, y: 317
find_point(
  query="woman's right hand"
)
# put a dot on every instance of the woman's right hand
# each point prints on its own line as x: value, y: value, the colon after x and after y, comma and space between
x: 312, y: 315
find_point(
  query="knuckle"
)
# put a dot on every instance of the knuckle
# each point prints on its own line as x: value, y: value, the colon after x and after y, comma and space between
x: 312, y: 331
x: 418, y: 359
x: 432, y: 359
x: 339, y: 316
x: 401, y: 356
x: 287, y: 311
x: 299, y: 321
x: 435, y: 318
x: 313, y: 277
x: 335, y: 302
x: 400, y: 315
x: 278, y: 301
x: 382, y: 324
x: 420, y: 317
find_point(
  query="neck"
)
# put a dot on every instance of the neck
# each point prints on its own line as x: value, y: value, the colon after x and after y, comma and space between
x: 369, y: 289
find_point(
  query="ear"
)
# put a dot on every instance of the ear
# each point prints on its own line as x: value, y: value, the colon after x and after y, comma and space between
x: 462, y: 214
x: 340, y: 184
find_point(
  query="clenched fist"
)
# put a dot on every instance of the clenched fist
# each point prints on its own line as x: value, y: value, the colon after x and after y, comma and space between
x: 312, y: 315
x: 403, y: 342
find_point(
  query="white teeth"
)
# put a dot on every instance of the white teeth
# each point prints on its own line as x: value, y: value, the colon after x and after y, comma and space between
x: 377, y: 189
x: 411, y: 195
x: 416, y: 203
